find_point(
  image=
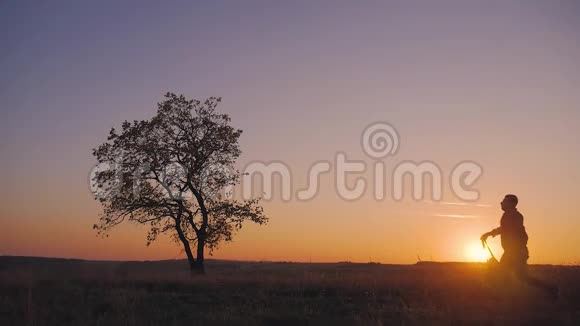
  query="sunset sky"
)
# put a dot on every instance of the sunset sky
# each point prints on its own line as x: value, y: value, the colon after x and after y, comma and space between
x: 493, y: 82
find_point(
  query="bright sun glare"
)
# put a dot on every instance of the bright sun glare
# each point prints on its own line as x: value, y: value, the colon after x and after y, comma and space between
x: 476, y: 253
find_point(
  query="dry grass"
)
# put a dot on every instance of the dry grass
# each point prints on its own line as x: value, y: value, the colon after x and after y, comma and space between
x: 60, y: 292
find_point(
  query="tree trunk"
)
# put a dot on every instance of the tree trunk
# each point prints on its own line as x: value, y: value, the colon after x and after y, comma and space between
x: 193, y: 266
x: 192, y: 262
x: 201, y: 233
x: 199, y: 262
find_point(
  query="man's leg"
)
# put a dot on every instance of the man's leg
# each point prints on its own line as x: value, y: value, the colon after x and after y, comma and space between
x: 521, y: 271
x: 506, y: 268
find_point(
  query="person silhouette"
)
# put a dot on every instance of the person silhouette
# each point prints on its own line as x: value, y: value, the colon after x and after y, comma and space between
x: 514, y: 241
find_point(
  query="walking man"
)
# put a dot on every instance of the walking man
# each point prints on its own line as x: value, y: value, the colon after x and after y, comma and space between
x: 514, y: 241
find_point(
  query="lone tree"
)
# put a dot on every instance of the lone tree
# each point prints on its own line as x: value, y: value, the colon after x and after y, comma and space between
x: 172, y: 173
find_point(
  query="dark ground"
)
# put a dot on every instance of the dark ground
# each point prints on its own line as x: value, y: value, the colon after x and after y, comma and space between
x: 40, y: 291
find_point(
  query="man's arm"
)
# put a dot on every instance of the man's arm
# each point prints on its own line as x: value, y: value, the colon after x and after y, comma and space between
x: 492, y: 233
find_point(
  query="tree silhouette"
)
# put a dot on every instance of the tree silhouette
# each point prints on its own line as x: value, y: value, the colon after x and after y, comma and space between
x: 170, y: 173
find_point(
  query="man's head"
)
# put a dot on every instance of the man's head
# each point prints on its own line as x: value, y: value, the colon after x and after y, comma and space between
x: 509, y: 202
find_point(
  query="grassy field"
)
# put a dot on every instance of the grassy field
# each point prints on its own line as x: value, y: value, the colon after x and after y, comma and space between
x: 39, y: 291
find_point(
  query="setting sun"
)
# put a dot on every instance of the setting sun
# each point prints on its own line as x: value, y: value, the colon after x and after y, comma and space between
x: 476, y: 253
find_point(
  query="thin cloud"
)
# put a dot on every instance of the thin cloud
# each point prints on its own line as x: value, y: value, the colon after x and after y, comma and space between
x: 459, y: 216
x: 458, y: 204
